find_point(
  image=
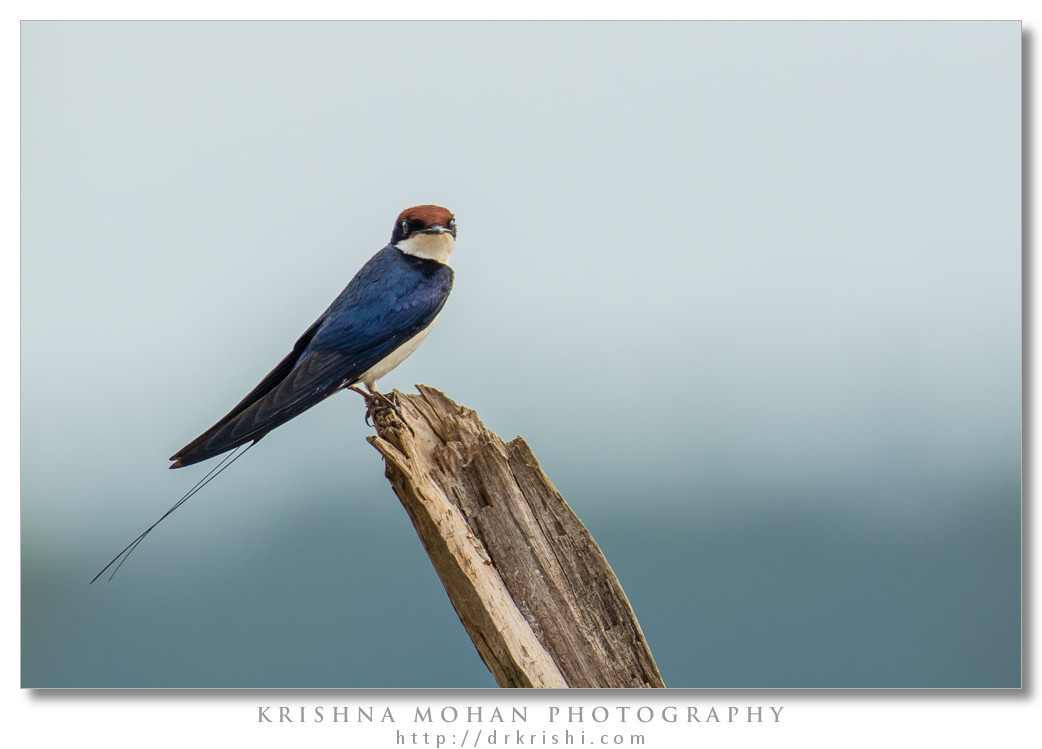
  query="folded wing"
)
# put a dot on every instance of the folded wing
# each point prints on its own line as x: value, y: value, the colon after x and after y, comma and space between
x: 367, y: 322
x: 276, y: 400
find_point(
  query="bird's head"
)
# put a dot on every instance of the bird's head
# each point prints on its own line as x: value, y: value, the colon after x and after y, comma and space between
x: 427, y: 231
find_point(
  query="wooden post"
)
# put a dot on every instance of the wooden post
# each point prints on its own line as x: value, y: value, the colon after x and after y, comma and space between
x: 528, y: 581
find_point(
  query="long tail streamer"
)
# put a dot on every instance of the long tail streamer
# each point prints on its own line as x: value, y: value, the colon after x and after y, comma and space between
x: 214, y: 472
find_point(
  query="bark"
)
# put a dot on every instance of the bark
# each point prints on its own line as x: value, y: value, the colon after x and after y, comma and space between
x: 529, y: 583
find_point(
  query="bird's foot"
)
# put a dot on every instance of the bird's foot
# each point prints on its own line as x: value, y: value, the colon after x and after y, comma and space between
x: 375, y: 403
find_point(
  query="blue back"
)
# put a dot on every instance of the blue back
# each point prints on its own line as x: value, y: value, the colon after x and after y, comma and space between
x: 392, y: 298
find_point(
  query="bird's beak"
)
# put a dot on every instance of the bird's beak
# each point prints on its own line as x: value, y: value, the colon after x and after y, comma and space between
x: 438, y: 229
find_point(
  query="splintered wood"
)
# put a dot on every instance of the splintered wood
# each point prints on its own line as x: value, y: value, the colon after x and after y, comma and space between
x: 528, y: 581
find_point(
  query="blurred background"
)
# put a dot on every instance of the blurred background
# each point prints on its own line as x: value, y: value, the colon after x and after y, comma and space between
x: 751, y: 291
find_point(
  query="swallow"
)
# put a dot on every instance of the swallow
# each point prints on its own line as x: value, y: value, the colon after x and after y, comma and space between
x: 378, y: 320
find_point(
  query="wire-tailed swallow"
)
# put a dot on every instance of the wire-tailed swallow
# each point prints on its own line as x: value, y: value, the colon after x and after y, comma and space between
x: 380, y: 318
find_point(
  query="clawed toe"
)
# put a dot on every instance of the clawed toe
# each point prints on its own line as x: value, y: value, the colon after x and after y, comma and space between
x: 375, y: 403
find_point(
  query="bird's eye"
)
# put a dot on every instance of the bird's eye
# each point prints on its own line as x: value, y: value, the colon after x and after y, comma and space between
x: 452, y: 224
x: 405, y: 227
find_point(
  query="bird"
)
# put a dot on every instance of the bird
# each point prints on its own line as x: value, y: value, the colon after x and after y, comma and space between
x: 378, y: 320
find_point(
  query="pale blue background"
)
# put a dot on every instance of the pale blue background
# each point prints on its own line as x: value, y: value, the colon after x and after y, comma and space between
x: 751, y: 292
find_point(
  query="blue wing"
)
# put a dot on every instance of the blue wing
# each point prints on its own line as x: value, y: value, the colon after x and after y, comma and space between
x: 391, y: 299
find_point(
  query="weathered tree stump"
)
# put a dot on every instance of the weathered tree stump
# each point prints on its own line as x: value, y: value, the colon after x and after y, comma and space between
x: 526, y: 578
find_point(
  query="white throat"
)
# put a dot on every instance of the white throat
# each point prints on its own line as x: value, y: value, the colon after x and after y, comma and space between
x: 429, y: 246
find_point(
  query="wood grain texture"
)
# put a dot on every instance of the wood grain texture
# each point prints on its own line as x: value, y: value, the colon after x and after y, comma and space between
x: 529, y: 583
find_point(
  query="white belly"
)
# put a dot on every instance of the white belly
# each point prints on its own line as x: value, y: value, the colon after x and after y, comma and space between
x: 392, y: 360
